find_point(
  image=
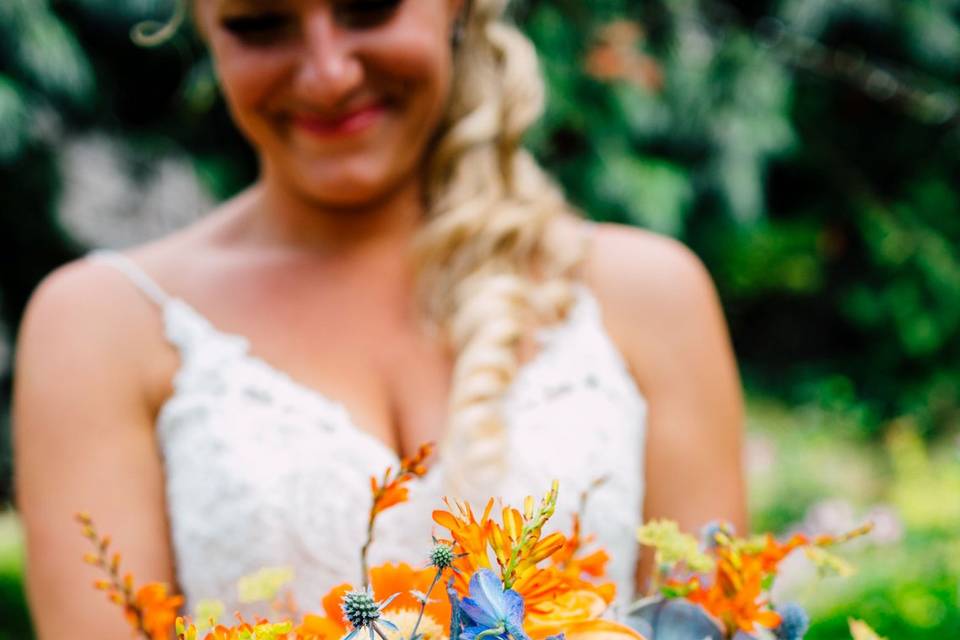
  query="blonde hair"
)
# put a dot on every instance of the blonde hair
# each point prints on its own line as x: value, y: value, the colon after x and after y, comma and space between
x: 492, y: 265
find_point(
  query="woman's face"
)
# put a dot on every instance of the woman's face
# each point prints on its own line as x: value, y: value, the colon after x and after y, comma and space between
x: 339, y: 97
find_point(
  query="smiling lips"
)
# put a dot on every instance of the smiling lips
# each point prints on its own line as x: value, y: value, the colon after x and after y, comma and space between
x: 353, y: 122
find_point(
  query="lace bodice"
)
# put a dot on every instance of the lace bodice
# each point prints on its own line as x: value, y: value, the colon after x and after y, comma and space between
x: 264, y: 472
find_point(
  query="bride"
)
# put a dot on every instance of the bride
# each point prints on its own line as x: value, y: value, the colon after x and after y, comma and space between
x: 402, y: 271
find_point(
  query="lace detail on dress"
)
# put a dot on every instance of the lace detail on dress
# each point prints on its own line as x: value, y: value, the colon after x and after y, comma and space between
x: 262, y: 471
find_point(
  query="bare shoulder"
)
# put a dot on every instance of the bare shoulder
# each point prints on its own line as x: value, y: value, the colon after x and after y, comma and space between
x: 88, y: 319
x: 646, y: 271
x: 83, y: 298
x: 656, y: 295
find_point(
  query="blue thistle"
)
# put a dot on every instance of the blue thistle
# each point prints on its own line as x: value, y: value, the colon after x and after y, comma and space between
x: 794, y: 622
x: 442, y: 556
x: 363, y: 612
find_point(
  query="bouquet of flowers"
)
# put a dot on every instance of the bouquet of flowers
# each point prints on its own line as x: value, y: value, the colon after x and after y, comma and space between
x: 498, y: 579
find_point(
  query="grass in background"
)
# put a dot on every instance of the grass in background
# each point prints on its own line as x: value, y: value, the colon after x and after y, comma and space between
x: 815, y: 471
x: 14, y: 621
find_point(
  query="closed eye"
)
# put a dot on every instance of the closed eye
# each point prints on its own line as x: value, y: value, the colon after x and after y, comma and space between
x: 365, y: 13
x: 257, y: 27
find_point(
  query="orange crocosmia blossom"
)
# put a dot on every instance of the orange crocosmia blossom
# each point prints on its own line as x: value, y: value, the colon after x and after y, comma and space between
x: 392, y: 495
x: 773, y: 551
x: 391, y: 490
x: 158, y: 610
x: 477, y: 537
x: 470, y: 535
x: 735, y: 597
x: 574, y: 566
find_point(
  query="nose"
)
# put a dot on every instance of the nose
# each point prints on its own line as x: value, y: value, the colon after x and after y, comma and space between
x: 330, y: 70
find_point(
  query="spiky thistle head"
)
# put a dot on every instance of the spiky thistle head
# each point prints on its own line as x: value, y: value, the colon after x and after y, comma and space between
x: 363, y: 612
x: 442, y: 556
x: 794, y: 622
x: 359, y: 608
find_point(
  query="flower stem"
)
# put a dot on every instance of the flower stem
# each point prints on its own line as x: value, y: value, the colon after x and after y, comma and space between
x: 496, y: 631
x: 364, y: 568
x: 423, y: 605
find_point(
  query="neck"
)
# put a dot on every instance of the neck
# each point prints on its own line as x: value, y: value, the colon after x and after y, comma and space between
x: 281, y: 217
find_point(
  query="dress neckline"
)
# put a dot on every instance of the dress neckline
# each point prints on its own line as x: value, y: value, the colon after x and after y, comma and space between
x: 240, y: 347
x: 192, y: 333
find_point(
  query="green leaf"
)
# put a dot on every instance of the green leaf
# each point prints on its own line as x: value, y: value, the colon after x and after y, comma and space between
x: 45, y: 51
x: 13, y: 119
x: 653, y: 193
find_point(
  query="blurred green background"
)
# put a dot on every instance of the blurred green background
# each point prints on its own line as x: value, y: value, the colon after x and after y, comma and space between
x: 807, y: 150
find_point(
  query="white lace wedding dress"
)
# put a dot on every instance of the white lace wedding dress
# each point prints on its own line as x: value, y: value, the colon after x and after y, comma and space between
x: 264, y: 472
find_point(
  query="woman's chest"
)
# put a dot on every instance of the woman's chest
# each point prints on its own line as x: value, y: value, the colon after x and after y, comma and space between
x: 389, y: 375
x: 262, y: 473
x: 265, y: 471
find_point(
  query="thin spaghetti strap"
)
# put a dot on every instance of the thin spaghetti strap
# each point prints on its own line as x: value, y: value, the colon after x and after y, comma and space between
x: 134, y: 273
x: 587, y: 231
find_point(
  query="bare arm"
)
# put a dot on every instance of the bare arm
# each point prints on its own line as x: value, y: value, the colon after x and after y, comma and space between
x: 666, y: 316
x: 83, y: 441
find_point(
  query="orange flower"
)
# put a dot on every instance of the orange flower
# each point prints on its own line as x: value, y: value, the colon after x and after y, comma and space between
x: 600, y: 630
x: 557, y: 614
x: 593, y: 564
x: 736, y: 595
x: 773, y: 552
x: 315, y: 627
x: 539, y: 587
x: 471, y: 535
x: 516, y: 543
x: 158, y: 611
x: 576, y: 614
x: 391, y: 490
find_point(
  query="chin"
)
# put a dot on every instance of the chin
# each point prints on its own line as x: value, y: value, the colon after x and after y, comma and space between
x: 345, y: 191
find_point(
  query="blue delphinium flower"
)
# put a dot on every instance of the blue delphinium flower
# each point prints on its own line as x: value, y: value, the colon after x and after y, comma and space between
x: 493, y: 613
x: 794, y: 622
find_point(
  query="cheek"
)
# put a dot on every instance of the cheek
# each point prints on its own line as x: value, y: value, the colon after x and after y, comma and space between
x: 249, y: 78
x: 422, y: 79
x: 415, y: 52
